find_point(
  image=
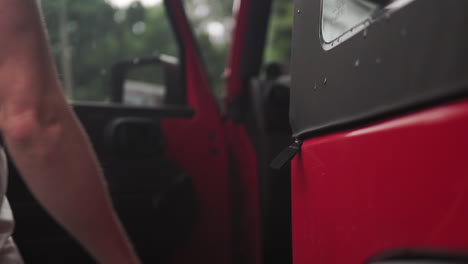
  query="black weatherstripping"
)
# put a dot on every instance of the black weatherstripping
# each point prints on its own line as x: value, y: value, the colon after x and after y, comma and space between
x: 419, y: 256
x: 414, y: 59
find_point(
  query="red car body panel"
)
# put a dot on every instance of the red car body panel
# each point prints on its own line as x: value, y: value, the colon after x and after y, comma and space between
x: 198, y: 145
x: 401, y: 183
x: 242, y: 153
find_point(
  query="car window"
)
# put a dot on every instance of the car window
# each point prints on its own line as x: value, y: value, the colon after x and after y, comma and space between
x: 343, y: 18
x: 89, y: 36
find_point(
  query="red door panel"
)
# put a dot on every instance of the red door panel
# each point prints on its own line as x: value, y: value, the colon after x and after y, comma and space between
x: 398, y: 184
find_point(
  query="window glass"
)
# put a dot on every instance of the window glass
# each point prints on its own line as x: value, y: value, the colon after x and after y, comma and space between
x: 344, y: 18
x: 88, y: 36
x: 212, y: 22
x: 339, y: 16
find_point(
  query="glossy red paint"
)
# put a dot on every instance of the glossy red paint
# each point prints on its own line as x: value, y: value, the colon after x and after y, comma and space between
x: 397, y: 184
x: 242, y: 153
x: 198, y: 145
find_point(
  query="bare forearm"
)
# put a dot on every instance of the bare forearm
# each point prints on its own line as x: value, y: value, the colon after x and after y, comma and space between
x: 60, y: 169
x: 47, y: 143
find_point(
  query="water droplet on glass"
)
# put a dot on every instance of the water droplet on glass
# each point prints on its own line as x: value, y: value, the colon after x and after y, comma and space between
x: 364, y: 34
x: 298, y: 11
x: 325, y: 81
x: 315, y: 86
x: 212, y: 136
x: 378, y: 60
x: 357, y: 63
x: 214, y: 151
x: 387, y: 16
x: 120, y: 16
x: 403, y: 32
x: 139, y: 28
x: 72, y: 26
x: 103, y: 72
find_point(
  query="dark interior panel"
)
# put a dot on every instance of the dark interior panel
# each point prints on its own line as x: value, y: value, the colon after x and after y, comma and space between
x: 271, y: 134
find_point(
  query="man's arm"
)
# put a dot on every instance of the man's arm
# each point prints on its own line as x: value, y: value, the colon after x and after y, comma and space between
x: 47, y: 143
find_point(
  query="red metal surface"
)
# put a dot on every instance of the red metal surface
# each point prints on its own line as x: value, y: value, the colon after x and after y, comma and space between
x: 198, y: 145
x: 242, y: 152
x: 397, y: 184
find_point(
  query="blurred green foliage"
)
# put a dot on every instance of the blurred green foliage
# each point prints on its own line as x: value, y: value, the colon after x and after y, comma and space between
x: 99, y: 35
x: 278, y: 48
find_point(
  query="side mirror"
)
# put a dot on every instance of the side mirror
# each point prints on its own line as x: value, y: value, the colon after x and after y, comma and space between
x: 148, y: 81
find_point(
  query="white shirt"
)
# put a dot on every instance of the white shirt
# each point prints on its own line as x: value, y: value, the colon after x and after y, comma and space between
x: 9, y: 253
